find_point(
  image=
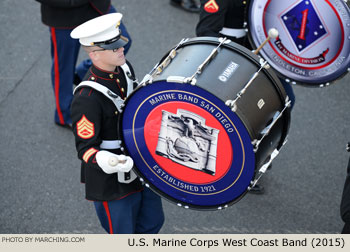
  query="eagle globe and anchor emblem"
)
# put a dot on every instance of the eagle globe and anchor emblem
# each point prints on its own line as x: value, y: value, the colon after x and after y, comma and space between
x: 185, y: 139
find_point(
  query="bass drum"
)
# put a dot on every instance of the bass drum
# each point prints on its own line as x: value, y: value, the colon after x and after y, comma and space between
x: 187, y: 143
x: 313, y: 46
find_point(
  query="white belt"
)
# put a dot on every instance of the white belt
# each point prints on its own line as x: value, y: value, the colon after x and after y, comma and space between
x: 110, y: 144
x: 238, y: 33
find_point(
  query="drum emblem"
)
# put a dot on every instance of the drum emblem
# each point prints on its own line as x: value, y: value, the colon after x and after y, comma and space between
x: 185, y: 139
x: 302, y: 31
x: 313, y: 44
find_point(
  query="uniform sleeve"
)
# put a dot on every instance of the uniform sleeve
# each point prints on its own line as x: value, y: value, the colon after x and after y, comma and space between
x: 87, y: 118
x: 64, y: 3
x: 211, y: 17
x: 345, y: 202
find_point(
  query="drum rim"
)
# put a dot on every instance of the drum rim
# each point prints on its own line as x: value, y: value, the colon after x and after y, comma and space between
x: 147, y: 181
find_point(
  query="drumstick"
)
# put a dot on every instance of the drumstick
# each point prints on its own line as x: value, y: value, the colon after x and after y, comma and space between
x: 113, y: 161
x: 273, y: 33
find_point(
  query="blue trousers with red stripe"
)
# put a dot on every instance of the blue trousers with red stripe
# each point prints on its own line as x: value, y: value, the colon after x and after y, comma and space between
x: 138, y: 213
x: 64, y: 54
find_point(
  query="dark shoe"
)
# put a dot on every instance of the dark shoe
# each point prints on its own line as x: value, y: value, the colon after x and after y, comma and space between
x: 67, y: 126
x: 187, y: 5
x: 257, y: 189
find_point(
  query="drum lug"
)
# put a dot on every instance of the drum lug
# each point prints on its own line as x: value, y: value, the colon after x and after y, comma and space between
x: 256, y: 147
x: 285, y: 141
x: 290, y: 82
x: 191, y: 80
x: 181, y: 80
x: 146, y: 79
x: 224, y: 40
x: 222, y: 207
x: 267, y: 129
x: 228, y: 103
x: 232, y: 105
x: 325, y: 85
x: 263, y: 169
x: 288, y: 102
x: 263, y: 64
x: 119, y: 103
x: 176, y: 79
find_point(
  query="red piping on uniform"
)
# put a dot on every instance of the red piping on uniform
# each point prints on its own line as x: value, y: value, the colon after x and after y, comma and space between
x: 129, y: 194
x: 57, y: 75
x: 98, y: 10
x: 104, y: 71
x: 105, y: 205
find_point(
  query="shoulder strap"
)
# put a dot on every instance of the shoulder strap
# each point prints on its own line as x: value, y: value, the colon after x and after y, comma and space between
x: 118, y: 102
x: 128, y: 78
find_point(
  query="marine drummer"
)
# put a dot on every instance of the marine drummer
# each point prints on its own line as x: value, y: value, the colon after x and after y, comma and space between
x: 224, y: 18
x: 122, y: 203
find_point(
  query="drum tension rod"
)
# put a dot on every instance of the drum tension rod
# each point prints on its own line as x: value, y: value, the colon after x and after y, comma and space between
x: 232, y: 103
x: 158, y: 68
x: 268, y: 128
x: 263, y: 169
x: 211, y: 56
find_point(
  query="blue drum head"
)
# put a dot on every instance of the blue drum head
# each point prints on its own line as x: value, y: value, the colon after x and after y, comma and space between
x: 187, y: 145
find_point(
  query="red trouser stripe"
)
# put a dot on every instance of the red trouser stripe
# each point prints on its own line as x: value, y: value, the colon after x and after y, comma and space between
x: 105, y: 205
x: 57, y: 75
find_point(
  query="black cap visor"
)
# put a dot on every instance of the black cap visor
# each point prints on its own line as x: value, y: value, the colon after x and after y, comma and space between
x: 114, y: 43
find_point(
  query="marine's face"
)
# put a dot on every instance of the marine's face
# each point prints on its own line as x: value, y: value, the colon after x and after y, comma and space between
x: 113, y: 57
x: 108, y: 59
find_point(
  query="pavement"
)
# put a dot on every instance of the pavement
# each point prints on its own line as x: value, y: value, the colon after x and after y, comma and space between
x: 39, y: 170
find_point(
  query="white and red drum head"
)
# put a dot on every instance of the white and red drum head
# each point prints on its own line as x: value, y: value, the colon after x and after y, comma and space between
x: 313, y: 46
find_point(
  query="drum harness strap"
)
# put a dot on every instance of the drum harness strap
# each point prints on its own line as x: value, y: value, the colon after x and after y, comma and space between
x: 116, y: 99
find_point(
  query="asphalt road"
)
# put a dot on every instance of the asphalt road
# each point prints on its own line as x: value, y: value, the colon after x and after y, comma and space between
x: 39, y: 169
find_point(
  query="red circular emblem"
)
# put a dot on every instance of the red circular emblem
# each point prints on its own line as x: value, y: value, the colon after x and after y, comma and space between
x: 186, y: 174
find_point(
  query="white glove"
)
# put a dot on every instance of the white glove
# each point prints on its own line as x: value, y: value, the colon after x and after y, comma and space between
x: 112, y: 163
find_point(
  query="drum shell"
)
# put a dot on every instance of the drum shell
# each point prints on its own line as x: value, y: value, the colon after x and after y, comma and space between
x: 249, y: 120
x: 266, y: 87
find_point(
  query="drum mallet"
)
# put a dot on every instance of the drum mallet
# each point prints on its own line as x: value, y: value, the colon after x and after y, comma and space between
x: 114, y: 161
x: 273, y: 33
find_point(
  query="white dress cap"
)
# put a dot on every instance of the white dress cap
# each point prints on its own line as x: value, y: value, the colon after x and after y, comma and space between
x: 100, y: 29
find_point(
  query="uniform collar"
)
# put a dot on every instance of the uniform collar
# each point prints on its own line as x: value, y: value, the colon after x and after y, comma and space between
x: 105, y: 75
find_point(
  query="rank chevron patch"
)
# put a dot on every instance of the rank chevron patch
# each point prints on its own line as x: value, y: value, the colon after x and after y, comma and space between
x: 211, y: 6
x: 85, y: 128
